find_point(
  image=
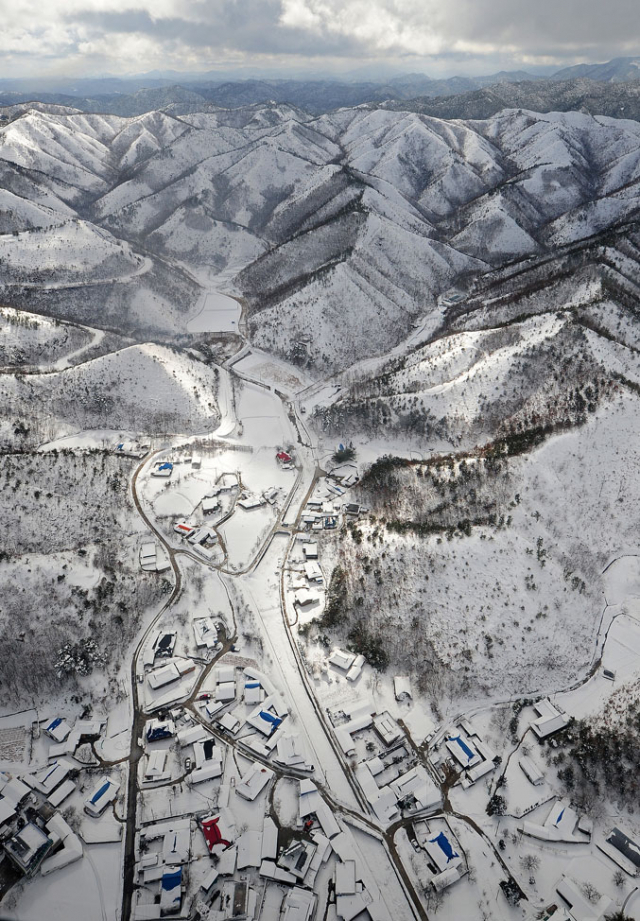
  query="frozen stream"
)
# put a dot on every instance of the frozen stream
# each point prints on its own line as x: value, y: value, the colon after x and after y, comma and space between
x: 215, y: 312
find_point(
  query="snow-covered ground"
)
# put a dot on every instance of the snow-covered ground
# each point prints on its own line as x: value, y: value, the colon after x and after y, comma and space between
x: 490, y: 580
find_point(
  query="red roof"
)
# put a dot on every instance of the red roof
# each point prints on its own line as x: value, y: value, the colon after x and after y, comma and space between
x: 212, y: 834
x: 283, y: 456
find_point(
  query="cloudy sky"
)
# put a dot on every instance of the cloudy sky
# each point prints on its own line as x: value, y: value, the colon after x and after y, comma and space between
x: 440, y: 37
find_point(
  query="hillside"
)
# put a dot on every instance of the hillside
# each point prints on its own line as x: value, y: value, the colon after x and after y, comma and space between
x: 482, y: 574
x: 143, y: 388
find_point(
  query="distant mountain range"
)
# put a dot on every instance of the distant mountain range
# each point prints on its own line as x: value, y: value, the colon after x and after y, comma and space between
x: 133, y: 96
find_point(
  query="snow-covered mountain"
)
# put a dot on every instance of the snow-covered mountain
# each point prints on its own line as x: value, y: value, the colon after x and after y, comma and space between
x: 347, y: 227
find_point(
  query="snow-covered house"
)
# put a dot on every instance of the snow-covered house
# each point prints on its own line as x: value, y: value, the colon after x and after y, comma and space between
x: 387, y: 728
x: 155, y: 769
x: 28, y: 848
x: 402, y: 688
x: 580, y: 908
x: 254, y: 781
x: 416, y: 784
x: 166, y: 674
x: 341, y: 659
x: 531, y: 770
x: 67, y: 845
x: 549, y: 720
x: 356, y: 669
x: 205, y: 632
x: 298, y: 905
x: 162, y: 469
x: 48, y: 778
x: 58, y: 729
x: 104, y: 793
x: 442, y: 851
x: 210, y: 504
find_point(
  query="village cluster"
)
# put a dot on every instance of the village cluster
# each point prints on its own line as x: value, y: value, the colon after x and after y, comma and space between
x: 234, y: 818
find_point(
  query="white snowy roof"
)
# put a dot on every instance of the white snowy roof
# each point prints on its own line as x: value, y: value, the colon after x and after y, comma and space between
x: 205, y: 632
x: 356, y: 669
x: 229, y: 722
x: 57, y: 729
x: 418, y: 784
x: 15, y: 790
x: 387, y: 728
x: 270, y: 870
x: 343, y: 660
x: 254, y: 781
x: 291, y: 751
x: 531, y: 770
x: 48, y: 778
x: 191, y: 734
x: 226, y: 691
x: 480, y: 770
x: 63, y: 791
x: 88, y: 727
x: 580, y: 908
x: 298, y: 905
x: 346, y: 877
x: 445, y: 879
x: 401, y: 687
x: 269, y: 849
x: 148, y: 552
x: 550, y: 719
x: 249, y: 847
x: 7, y: 810
x: 253, y: 696
x: 208, y: 771
x: 156, y: 761
x: 224, y: 673
x: 105, y: 792
x: 176, y: 844
x: 163, y: 675
x: 304, y: 597
x: 312, y: 571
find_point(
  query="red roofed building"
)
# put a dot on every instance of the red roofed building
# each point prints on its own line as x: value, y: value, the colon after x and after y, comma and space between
x: 212, y: 833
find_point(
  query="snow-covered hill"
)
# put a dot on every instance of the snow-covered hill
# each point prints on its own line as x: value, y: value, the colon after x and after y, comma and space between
x: 143, y: 388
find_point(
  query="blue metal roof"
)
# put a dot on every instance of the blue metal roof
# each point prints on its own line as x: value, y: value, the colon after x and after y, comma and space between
x: 463, y: 745
x: 100, y: 793
x: 171, y: 879
x: 445, y: 846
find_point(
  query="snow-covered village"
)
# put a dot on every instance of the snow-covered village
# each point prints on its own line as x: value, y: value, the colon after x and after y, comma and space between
x: 320, y: 568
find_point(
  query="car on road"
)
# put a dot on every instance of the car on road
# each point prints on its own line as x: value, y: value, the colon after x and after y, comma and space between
x: 187, y: 765
x: 415, y: 845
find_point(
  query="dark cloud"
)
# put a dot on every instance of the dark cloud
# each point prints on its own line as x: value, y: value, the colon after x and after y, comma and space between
x: 249, y: 26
